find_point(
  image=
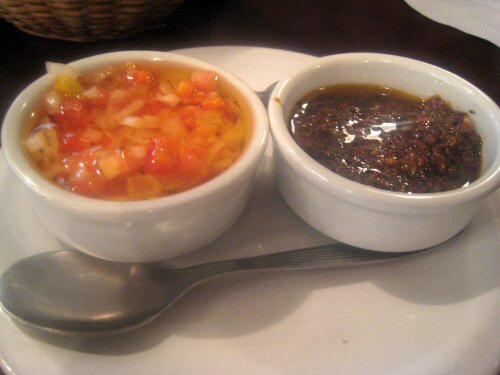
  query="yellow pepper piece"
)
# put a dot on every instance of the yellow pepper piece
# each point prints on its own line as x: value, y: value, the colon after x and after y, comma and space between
x: 67, y: 85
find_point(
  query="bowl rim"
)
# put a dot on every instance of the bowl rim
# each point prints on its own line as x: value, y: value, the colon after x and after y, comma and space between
x: 358, y: 193
x: 18, y: 162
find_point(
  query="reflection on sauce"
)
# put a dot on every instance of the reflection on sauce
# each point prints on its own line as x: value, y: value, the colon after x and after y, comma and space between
x: 388, y: 138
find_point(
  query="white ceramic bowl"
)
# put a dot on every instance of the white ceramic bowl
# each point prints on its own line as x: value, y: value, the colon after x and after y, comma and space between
x: 137, y: 231
x: 368, y: 217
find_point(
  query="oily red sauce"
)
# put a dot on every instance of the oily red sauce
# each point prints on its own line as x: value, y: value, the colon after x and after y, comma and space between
x: 387, y: 138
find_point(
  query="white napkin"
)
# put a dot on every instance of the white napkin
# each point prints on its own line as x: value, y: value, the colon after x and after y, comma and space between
x: 477, y: 17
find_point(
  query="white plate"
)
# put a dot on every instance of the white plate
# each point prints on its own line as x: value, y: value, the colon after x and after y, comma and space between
x: 433, y: 314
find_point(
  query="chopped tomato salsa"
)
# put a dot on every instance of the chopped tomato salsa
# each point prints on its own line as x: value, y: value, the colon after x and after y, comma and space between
x: 136, y: 131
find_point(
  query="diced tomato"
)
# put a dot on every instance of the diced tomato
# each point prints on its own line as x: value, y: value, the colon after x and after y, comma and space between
x: 73, y: 107
x: 150, y: 107
x: 162, y: 156
x: 212, y: 102
x: 106, y: 141
x: 78, y: 164
x: 196, y: 98
x: 231, y: 110
x: 102, y: 100
x: 187, y: 115
x: 72, y: 143
x: 74, y: 114
x: 185, y: 89
x: 90, y: 187
x: 83, y: 122
x: 204, y: 80
x: 192, y: 160
x: 139, y: 76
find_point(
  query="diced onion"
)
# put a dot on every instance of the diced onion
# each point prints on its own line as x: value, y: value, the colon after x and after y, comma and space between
x: 166, y: 87
x: 118, y: 95
x: 92, y: 93
x: 112, y: 165
x: 52, y: 102
x: 133, y: 121
x: 129, y: 110
x: 35, y: 143
x: 43, y: 145
x: 92, y: 135
x: 137, y: 151
x: 138, y: 122
x: 169, y: 99
x: 58, y: 69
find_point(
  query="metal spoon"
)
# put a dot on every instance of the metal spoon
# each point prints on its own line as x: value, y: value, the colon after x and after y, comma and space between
x: 68, y: 292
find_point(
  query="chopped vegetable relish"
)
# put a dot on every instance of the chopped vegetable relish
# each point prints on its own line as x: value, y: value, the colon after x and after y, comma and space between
x: 135, y: 131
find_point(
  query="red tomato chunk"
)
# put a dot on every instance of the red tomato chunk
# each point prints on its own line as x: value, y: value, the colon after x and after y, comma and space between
x: 140, y: 130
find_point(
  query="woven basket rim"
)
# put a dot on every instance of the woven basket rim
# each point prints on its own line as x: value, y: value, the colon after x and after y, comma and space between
x: 91, y: 20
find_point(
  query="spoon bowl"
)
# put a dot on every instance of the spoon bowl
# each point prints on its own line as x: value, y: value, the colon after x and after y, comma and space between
x: 85, y: 294
x: 71, y: 293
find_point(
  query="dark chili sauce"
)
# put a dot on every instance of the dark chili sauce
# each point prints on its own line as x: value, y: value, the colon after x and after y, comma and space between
x: 388, y: 138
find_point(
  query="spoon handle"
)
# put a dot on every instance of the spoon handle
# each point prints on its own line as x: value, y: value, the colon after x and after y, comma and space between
x: 330, y: 255
x: 264, y: 95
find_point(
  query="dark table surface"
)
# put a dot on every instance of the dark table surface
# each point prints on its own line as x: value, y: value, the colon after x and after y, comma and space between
x: 317, y: 27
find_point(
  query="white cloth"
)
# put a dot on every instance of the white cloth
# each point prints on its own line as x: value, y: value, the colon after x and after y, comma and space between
x: 477, y: 17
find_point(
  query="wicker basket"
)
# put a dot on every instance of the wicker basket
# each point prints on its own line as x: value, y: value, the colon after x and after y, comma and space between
x: 85, y: 20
